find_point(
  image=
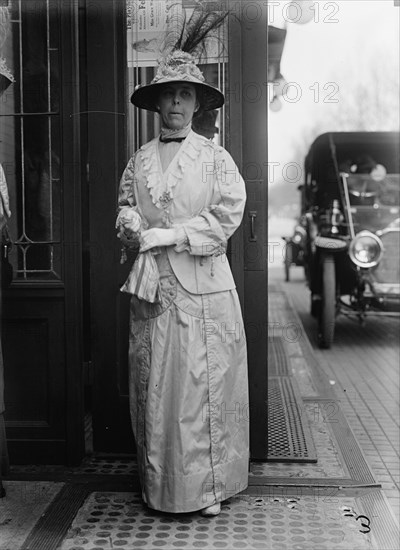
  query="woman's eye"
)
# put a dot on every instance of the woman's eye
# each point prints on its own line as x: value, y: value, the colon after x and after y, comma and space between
x: 171, y: 93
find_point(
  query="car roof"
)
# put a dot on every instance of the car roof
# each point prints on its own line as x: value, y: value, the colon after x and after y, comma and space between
x: 331, y: 149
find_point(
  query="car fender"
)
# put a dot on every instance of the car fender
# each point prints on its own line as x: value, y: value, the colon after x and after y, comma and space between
x: 331, y: 244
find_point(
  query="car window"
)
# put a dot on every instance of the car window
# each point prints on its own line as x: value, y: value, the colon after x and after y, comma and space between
x: 363, y: 190
x: 389, y: 190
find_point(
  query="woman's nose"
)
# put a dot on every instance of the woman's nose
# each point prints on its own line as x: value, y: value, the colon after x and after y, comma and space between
x: 176, y: 99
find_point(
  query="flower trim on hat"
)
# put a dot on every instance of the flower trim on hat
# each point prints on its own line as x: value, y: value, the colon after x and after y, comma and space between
x: 178, y: 65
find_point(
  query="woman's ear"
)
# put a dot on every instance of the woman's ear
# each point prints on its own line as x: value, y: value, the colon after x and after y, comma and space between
x: 197, y: 107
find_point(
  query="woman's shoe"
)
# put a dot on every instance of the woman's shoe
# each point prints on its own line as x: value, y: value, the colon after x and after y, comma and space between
x: 212, y: 510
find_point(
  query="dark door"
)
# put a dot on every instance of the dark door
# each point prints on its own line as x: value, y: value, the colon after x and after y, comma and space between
x: 106, y: 312
x: 39, y: 151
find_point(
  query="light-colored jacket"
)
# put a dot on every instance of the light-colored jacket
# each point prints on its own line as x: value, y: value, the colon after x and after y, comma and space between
x: 202, y: 192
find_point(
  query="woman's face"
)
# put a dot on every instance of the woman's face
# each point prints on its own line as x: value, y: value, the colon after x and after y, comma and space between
x: 177, y: 104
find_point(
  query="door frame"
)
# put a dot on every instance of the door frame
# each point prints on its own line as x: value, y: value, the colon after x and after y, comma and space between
x: 248, y: 125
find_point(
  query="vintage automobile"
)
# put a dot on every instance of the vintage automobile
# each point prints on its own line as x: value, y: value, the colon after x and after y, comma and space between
x: 350, y: 201
x: 294, y: 247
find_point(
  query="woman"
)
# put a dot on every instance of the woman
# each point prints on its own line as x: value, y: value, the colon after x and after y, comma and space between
x: 181, y: 197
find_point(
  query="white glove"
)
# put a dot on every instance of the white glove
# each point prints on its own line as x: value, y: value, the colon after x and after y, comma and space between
x: 155, y: 237
x: 128, y: 219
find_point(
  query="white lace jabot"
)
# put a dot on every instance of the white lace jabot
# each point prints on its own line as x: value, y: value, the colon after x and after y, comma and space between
x: 162, y: 185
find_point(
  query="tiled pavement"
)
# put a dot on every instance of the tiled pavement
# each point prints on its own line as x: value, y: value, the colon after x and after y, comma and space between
x: 363, y: 366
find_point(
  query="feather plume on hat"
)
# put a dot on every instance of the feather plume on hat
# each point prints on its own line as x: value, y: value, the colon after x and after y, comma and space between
x: 185, y: 46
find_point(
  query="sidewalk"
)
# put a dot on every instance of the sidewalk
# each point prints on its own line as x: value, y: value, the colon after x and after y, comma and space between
x: 288, y: 505
x: 363, y: 368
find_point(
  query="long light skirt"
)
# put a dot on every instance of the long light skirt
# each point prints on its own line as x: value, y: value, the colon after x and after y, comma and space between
x: 189, y: 397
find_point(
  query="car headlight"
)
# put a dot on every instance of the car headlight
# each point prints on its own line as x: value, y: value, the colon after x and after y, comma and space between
x: 366, y: 249
x: 299, y: 234
x: 297, y: 238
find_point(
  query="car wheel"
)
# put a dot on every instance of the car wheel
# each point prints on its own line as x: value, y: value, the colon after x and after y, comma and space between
x: 315, y: 306
x: 288, y: 260
x: 328, y: 303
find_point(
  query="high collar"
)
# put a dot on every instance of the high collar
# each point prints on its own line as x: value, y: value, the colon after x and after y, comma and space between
x: 168, y: 133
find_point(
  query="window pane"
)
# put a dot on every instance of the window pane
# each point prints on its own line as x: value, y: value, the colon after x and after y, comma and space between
x: 40, y: 179
x: 30, y: 138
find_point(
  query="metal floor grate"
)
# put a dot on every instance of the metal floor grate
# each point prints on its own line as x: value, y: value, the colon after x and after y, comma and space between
x: 289, y: 435
x: 277, y: 358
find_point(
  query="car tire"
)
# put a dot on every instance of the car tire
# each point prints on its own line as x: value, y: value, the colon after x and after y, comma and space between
x: 315, y: 306
x: 288, y: 260
x: 327, y: 312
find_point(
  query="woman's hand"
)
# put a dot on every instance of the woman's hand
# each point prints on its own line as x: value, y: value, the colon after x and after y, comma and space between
x: 128, y: 225
x: 154, y: 237
x: 129, y: 219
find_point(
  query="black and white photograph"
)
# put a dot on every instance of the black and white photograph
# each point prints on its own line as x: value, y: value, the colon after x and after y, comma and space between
x: 200, y: 274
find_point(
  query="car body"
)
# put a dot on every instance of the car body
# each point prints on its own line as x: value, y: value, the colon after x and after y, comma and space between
x: 351, y: 206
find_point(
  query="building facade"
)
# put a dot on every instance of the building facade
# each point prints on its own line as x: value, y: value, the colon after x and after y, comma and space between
x: 67, y: 132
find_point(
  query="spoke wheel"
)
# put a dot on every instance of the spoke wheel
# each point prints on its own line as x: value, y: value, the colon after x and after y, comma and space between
x: 328, y: 303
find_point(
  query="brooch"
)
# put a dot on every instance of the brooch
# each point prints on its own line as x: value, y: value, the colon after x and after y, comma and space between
x: 165, y: 199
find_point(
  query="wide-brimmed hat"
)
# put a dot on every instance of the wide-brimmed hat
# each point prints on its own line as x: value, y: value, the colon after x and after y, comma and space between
x: 204, y: 123
x: 178, y: 66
